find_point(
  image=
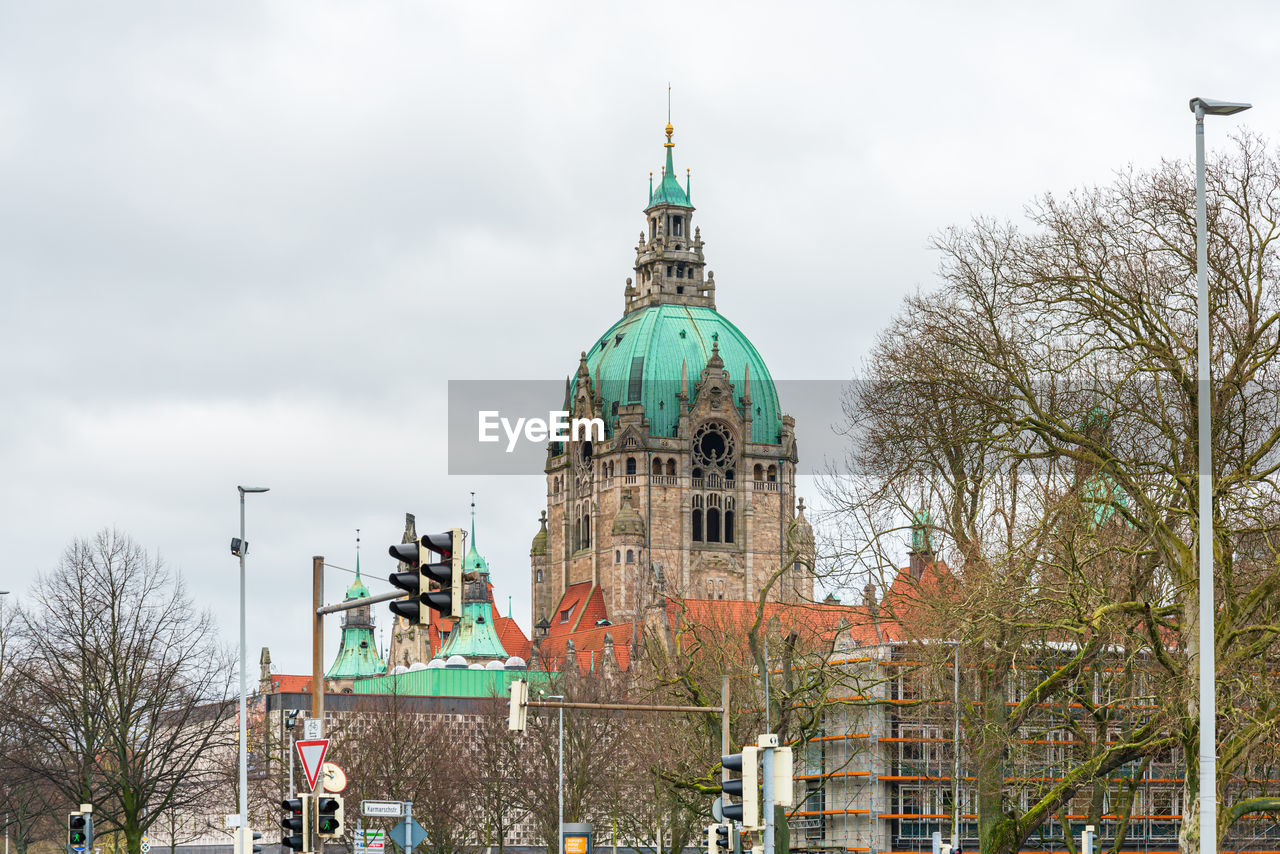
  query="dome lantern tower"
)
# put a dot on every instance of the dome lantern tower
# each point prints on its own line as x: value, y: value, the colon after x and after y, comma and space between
x: 670, y: 266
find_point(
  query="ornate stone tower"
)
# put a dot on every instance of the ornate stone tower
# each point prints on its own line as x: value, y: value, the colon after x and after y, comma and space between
x: 358, y: 653
x: 694, y: 481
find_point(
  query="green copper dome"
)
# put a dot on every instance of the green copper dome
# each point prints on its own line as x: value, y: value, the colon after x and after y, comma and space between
x: 639, y: 360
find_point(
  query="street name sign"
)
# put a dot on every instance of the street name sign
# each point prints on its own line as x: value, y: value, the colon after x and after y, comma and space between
x: 384, y: 809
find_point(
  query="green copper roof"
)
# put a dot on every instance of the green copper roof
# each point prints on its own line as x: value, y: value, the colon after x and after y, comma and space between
x: 357, y: 590
x: 450, y: 682
x: 473, y: 562
x: 475, y: 635
x: 669, y: 191
x: 639, y: 360
x: 358, y: 653
x: 1105, y: 495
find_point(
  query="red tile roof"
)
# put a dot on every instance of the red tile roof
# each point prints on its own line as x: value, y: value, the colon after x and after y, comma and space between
x: 578, y: 600
x: 588, y: 644
x: 284, y: 683
x: 512, y: 637
x: 583, y: 605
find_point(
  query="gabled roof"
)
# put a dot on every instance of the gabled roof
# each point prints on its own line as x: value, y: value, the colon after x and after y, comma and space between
x: 581, y: 605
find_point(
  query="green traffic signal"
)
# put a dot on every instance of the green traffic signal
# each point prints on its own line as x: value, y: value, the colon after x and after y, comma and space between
x: 329, y: 815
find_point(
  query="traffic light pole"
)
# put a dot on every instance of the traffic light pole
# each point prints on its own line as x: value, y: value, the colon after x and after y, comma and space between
x: 767, y: 806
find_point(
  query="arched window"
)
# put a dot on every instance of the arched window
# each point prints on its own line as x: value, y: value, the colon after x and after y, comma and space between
x: 697, y: 525
x: 671, y: 468
x: 728, y: 526
x: 697, y: 472
x: 656, y: 467
x: 713, y: 525
x: 631, y: 556
x: 758, y: 471
x: 617, y: 556
x: 773, y: 473
x: 577, y: 535
x: 631, y: 465
x: 586, y: 531
x: 539, y: 575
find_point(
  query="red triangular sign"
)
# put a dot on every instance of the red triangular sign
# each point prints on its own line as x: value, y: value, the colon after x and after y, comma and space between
x: 312, y: 755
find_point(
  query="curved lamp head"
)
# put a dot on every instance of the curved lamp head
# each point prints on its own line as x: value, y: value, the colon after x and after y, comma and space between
x: 244, y: 489
x: 1218, y: 108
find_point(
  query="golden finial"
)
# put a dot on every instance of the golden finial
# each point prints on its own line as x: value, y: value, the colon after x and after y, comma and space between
x: 670, y: 131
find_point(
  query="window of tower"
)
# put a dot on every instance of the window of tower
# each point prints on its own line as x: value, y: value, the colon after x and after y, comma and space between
x: 713, y: 525
x: 697, y: 525
x: 758, y: 472
x: 671, y: 468
x: 728, y: 526
x: 677, y: 226
x: 656, y: 467
x: 773, y: 473
x: 653, y: 228
x: 679, y: 271
x: 631, y: 465
x: 631, y: 556
x: 586, y: 532
x: 539, y: 575
x: 670, y: 270
x: 617, y: 556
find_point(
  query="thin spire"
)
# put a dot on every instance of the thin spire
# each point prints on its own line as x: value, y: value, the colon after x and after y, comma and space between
x: 473, y: 520
x: 357, y: 552
x: 668, y: 102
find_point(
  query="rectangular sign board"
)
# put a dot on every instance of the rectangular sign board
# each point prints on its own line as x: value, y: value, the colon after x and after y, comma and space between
x: 375, y: 841
x: 385, y: 809
x: 312, y: 728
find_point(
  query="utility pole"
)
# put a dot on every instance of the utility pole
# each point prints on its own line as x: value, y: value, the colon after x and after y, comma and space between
x: 317, y: 639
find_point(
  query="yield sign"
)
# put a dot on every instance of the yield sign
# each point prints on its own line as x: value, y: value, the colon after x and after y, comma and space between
x: 312, y: 754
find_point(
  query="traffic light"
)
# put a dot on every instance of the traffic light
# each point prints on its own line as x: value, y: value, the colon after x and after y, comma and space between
x: 447, y: 574
x: 783, y: 782
x: 296, y: 823
x: 722, y: 838
x: 79, y: 831
x: 745, y: 787
x: 518, y: 712
x: 238, y: 844
x: 328, y: 816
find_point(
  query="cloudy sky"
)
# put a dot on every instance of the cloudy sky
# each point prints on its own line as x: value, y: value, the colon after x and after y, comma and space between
x: 252, y: 243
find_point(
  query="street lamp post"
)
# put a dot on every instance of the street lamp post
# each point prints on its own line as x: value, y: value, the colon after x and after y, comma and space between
x: 239, y: 547
x: 1208, y: 658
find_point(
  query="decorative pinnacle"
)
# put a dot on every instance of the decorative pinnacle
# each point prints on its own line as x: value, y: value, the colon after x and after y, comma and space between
x: 670, y: 131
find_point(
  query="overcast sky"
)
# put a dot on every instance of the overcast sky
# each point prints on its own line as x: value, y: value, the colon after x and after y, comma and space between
x: 251, y: 243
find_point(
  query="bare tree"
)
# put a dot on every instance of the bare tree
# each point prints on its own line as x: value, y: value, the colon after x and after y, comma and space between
x: 120, y: 687
x: 495, y: 755
x: 1063, y: 356
x: 392, y: 748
